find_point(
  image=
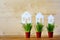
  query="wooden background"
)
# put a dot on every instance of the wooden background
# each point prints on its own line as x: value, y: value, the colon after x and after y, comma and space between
x: 11, y: 11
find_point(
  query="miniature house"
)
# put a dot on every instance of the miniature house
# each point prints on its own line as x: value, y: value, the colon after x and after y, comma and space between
x: 39, y: 18
x: 26, y: 17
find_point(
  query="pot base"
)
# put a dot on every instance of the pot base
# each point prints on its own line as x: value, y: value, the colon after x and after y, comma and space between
x: 27, y: 34
x: 38, y: 34
x: 50, y: 34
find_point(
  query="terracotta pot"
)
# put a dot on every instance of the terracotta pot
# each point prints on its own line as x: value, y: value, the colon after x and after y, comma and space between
x: 38, y: 34
x: 50, y: 34
x: 27, y: 34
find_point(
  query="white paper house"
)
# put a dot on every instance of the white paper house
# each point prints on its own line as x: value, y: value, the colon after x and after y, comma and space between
x: 39, y: 18
x: 51, y: 19
x: 26, y: 17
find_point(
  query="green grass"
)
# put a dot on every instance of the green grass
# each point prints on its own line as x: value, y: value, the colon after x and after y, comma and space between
x: 50, y: 27
x: 27, y: 27
x: 39, y: 27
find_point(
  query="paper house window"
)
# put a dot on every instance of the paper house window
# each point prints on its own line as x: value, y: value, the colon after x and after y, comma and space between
x: 39, y: 18
x: 26, y: 17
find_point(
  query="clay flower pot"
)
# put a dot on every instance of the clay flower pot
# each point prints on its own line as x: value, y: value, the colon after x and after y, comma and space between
x: 39, y: 28
x: 27, y: 34
x: 50, y: 34
x: 50, y: 29
x: 27, y: 27
x: 38, y: 34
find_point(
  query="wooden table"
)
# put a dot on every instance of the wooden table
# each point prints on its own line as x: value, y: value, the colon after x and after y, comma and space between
x: 23, y: 38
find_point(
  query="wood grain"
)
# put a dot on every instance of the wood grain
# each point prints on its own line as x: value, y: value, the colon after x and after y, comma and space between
x: 31, y: 38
